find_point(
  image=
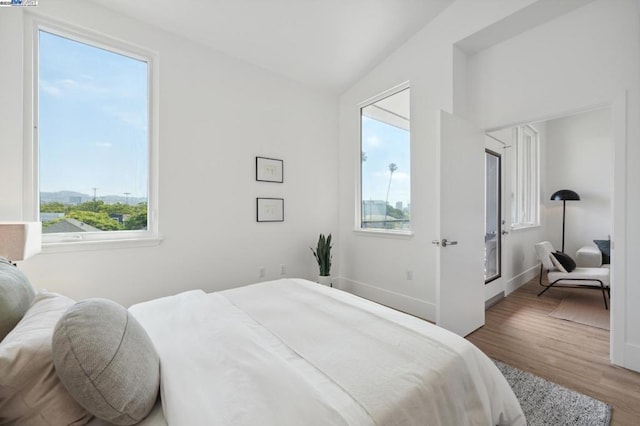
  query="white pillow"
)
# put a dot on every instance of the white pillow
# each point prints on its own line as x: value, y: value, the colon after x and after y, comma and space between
x: 30, y: 391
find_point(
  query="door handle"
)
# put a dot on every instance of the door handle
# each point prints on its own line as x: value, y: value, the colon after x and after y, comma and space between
x: 505, y: 232
x: 444, y: 242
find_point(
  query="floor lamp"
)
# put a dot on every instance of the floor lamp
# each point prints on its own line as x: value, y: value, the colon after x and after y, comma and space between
x: 564, y: 195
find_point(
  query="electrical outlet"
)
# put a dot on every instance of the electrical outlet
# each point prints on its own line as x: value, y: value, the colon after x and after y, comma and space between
x: 262, y: 272
x: 283, y: 269
x: 409, y: 274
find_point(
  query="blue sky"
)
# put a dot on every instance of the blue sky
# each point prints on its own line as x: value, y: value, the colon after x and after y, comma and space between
x: 385, y: 144
x: 93, y: 113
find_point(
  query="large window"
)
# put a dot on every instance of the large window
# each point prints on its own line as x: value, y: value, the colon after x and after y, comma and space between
x: 92, y: 140
x: 386, y: 162
x: 525, y: 196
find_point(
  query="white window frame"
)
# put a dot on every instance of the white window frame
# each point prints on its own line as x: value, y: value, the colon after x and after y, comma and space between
x: 31, y: 199
x: 399, y: 233
x: 526, y: 178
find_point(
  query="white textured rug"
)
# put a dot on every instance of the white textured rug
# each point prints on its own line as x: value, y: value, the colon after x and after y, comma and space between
x: 546, y: 403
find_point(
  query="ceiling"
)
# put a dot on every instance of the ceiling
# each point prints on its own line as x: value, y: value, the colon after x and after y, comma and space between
x: 327, y: 44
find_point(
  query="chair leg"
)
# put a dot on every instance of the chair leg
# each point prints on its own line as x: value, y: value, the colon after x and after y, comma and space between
x: 545, y: 289
x: 604, y: 295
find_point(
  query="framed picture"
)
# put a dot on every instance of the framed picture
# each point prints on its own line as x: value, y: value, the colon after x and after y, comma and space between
x: 269, y: 170
x: 270, y: 209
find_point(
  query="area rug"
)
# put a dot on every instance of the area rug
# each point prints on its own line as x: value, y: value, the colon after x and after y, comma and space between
x: 546, y: 403
x: 586, y: 307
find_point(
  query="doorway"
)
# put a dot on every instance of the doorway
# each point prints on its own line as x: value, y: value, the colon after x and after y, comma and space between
x: 575, y: 152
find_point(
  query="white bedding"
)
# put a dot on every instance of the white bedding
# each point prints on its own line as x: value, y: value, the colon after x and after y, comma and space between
x: 292, y: 352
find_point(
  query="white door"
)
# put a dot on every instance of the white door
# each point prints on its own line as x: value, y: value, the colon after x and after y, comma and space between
x: 495, y: 228
x: 460, y: 247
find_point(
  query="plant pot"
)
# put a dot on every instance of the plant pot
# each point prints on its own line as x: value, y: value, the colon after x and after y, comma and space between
x: 325, y: 280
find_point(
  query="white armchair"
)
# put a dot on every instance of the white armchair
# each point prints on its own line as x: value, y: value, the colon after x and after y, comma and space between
x: 580, y: 277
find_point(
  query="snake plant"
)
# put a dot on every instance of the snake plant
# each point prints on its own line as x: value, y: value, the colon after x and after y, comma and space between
x: 322, y: 253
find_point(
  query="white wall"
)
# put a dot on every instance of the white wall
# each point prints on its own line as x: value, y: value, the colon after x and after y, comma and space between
x: 216, y: 115
x: 375, y: 266
x: 574, y: 63
x: 571, y: 63
x: 579, y: 156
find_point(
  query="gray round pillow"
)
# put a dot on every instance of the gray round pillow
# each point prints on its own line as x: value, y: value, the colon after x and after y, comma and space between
x: 106, y: 361
x: 16, y: 296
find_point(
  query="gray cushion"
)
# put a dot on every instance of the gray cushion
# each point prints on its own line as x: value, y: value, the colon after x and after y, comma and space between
x: 30, y: 391
x: 107, y: 361
x: 16, y: 295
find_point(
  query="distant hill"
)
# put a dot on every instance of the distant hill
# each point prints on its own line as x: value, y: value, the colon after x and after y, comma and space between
x: 72, y: 197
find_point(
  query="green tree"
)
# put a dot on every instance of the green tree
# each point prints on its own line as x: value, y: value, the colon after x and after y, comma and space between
x: 52, y: 207
x: 395, y: 213
x: 117, y: 208
x: 137, y: 221
x: 100, y: 220
x: 90, y: 206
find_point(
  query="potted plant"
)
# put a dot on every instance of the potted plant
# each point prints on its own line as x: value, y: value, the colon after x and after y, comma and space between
x: 322, y: 253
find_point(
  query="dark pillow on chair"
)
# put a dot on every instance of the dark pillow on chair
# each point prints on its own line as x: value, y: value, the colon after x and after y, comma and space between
x: 605, y: 248
x: 565, y: 260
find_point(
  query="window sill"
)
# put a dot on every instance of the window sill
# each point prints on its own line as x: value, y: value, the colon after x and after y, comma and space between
x: 403, y: 235
x: 74, y: 246
x: 524, y: 227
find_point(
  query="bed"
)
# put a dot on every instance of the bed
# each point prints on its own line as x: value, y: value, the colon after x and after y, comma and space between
x: 293, y: 352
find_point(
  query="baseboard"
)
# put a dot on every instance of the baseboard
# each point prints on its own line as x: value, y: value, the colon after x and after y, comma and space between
x: 632, y: 357
x: 493, y: 300
x: 521, y: 279
x: 398, y: 301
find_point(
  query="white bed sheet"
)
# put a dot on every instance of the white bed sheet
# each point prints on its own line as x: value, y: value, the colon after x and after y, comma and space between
x: 291, y: 352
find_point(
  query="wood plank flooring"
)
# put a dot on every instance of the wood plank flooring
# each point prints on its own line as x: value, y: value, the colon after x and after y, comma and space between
x: 519, y: 332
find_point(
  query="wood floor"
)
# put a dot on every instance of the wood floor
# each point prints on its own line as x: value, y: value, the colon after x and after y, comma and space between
x: 519, y: 332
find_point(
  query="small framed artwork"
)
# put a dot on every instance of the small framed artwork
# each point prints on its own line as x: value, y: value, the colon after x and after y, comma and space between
x: 269, y: 170
x: 270, y: 209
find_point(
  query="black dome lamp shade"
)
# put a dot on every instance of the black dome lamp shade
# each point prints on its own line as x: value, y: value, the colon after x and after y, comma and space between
x: 564, y: 195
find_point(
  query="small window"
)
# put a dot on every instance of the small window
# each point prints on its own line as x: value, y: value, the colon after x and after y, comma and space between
x: 385, y: 202
x: 93, y: 140
x: 525, y: 196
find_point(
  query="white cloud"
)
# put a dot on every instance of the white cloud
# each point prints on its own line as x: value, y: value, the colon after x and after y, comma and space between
x: 132, y: 118
x: 372, y: 142
x: 401, y: 176
x: 49, y: 88
x: 104, y: 144
x: 67, y: 85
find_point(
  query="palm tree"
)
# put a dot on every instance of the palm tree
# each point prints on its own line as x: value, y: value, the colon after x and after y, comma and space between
x: 392, y: 168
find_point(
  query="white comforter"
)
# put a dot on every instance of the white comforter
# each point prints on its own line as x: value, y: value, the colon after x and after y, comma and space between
x: 292, y: 352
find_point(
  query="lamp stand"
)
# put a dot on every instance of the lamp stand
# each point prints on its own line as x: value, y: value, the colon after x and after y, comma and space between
x: 564, y: 206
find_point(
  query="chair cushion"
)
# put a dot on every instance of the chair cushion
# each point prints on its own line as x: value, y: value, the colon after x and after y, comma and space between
x: 30, y: 391
x: 605, y: 248
x: 567, y: 264
x: 544, y: 250
x: 578, y: 275
x: 107, y: 361
x: 16, y: 295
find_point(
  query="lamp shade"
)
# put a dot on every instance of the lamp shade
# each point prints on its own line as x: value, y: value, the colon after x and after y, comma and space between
x: 20, y: 240
x: 565, y: 194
